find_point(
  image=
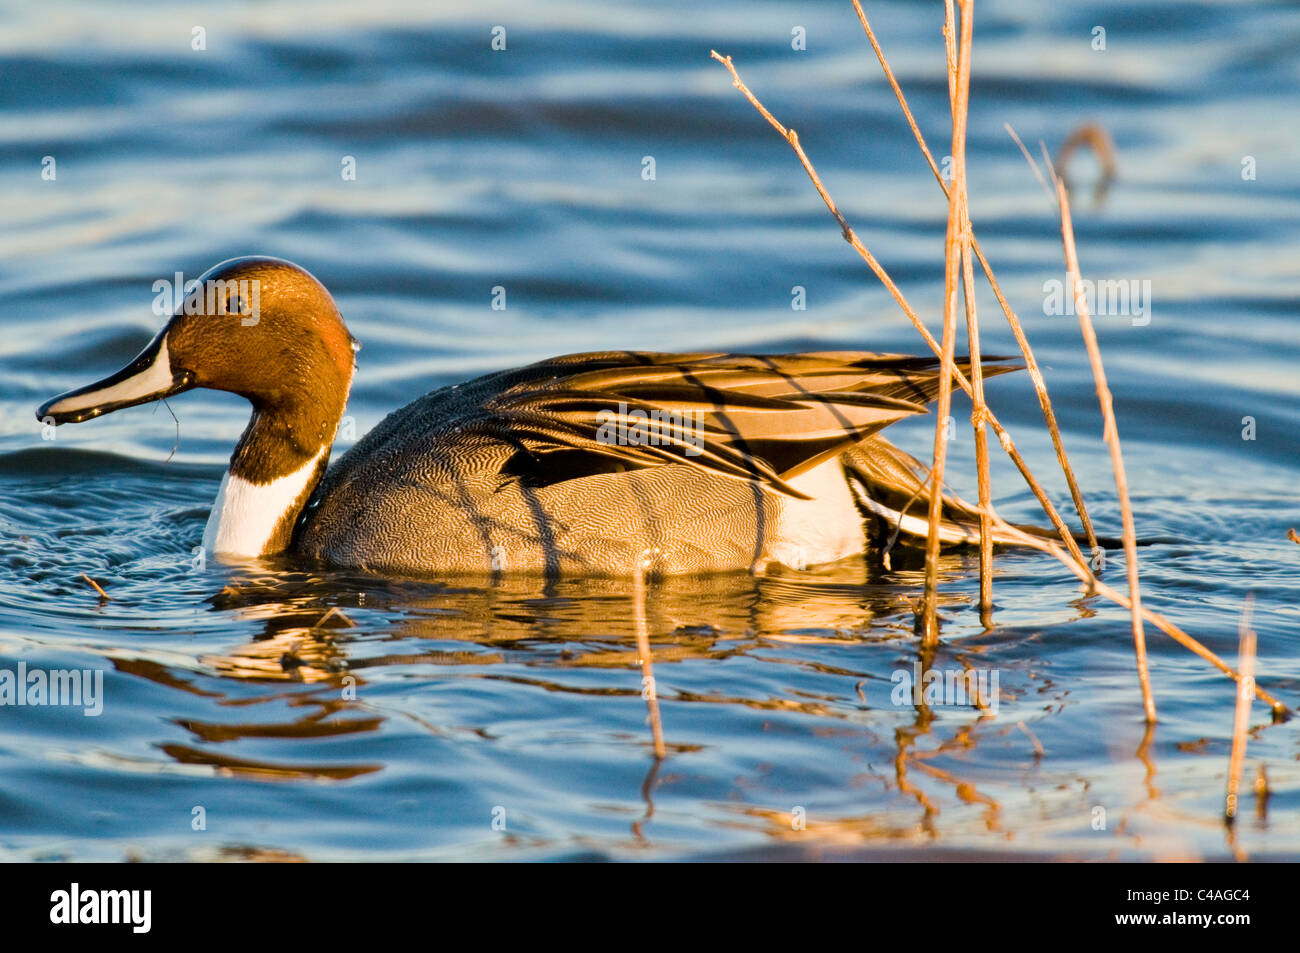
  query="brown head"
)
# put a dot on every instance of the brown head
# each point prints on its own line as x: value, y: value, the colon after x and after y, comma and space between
x: 262, y: 328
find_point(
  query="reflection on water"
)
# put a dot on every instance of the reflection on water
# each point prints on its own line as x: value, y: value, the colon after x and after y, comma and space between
x: 532, y: 632
x: 313, y: 678
x: 318, y: 716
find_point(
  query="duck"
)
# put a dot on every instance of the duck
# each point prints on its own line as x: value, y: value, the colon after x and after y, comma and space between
x: 592, y: 463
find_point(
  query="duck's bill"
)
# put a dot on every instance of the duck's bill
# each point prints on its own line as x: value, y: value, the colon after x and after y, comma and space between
x: 149, y: 377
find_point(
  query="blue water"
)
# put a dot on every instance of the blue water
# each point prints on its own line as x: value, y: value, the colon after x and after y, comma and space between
x: 447, y: 719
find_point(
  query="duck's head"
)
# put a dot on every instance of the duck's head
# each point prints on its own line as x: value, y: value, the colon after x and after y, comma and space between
x: 262, y: 328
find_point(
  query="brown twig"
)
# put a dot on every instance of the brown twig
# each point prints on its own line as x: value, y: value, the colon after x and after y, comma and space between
x: 1241, y: 721
x: 1111, y: 433
x: 1038, y: 173
x: 1031, y: 363
x: 979, y: 415
x: 955, y: 248
x: 96, y: 586
x: 898, y: 527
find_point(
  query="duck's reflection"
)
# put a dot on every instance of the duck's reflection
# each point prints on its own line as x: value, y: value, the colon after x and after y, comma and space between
x: 324, y: 636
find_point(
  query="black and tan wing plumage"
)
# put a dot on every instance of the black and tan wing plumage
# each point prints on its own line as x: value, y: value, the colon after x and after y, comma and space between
x: 582, y: 462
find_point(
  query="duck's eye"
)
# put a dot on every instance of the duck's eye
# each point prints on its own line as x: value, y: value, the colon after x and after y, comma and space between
x: 234, y: 305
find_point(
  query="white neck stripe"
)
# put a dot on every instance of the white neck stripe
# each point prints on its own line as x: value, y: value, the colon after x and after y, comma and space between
x: 245, y: 514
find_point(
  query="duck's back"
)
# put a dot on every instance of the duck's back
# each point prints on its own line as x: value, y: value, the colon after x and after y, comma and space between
x: 580, y: 464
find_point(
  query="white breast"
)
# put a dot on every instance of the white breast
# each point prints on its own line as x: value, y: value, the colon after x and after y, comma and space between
x: 245, y: 514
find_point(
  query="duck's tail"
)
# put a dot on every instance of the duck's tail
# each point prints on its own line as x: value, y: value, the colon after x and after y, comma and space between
x: 889, y: 489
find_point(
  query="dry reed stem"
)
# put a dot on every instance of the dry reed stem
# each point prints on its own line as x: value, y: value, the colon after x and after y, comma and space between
x: 954, y: 248
x: 978, y: 414
x: 102, y: 594
x: 648, y: 687
x: 1241, y: 721
x: 1111, y: 434
x: 959, y: 222
x: 851, y: 237
x: 1031, y: 363
x: 1038, y: 173
x: 1070, y: 557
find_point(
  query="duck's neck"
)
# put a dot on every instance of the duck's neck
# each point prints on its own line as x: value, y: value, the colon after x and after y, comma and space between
x: 275, y: 469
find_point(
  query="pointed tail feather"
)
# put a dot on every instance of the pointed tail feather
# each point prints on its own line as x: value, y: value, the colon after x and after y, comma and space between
x: 888, y: 486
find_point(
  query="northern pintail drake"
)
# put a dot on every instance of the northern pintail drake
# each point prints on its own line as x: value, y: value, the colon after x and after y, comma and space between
x: 577, y: 464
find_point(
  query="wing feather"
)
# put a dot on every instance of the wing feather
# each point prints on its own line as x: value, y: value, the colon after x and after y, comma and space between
x: 763, y: 418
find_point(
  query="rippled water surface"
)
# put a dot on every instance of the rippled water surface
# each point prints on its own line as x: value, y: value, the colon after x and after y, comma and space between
x: 344, y: 716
